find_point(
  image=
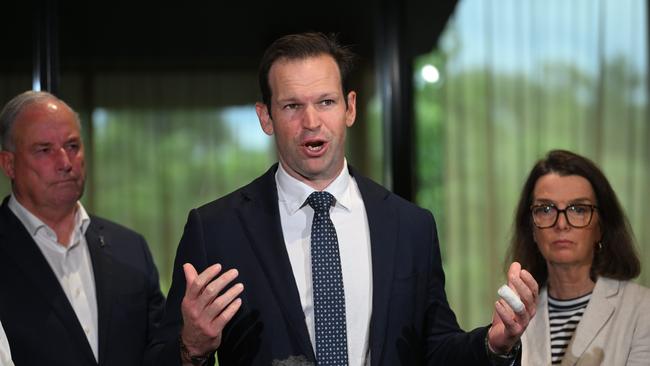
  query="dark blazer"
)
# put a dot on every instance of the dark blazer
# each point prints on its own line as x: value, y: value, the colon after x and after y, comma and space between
x: 40, y: 323
x: 411, y: 322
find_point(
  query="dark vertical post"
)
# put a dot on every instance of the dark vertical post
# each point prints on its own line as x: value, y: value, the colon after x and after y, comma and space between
x: 87, y: 107
x: 395, y: 87
x: 45, y: 75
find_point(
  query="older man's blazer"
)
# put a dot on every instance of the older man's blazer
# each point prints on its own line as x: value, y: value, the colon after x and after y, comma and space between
x: 614, y: 330
x: 41, y: 326
x: 411, y: 322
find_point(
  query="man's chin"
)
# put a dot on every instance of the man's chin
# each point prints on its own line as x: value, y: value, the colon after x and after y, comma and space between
x: 69, y: 194
x: 319, y: 173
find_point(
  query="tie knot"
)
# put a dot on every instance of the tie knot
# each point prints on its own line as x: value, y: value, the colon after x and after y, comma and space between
x: 320, y: 201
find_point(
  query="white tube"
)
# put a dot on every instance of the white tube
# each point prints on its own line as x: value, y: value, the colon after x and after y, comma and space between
x: 511, y: 298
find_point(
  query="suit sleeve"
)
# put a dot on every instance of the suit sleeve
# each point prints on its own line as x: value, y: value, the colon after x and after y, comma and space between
x: 164, y: 350
x: 446, y: 342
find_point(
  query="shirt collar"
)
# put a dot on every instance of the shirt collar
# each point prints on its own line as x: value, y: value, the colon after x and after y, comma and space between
x: 293, y: 193
x: 33, y: 224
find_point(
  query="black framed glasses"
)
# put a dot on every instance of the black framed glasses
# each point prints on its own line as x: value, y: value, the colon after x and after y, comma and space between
x: 577, y: 215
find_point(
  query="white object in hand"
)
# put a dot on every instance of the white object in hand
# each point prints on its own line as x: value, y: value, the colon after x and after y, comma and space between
x: 511, y: 298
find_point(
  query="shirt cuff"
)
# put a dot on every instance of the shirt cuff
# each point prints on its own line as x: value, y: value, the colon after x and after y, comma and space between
x: 502, y: 359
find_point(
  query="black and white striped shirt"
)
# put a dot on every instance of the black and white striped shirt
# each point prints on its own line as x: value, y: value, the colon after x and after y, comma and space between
x: 564, y: 316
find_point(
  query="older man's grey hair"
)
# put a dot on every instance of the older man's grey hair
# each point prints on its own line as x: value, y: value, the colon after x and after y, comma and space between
x: 16, y: 105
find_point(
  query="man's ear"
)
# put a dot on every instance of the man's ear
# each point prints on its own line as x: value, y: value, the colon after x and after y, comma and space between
x: 351, y: 112
x: 7, y: 163
x: 265, y: 118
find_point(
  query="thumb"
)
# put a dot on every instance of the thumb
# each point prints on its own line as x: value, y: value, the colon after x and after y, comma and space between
x: 190, y: 276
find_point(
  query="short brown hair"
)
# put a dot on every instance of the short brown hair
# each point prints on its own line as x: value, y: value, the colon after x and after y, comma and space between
x: 301, y: 46
x: 616, y: 259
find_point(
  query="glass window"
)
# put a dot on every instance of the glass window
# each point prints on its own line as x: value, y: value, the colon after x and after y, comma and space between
x: 511, y: 80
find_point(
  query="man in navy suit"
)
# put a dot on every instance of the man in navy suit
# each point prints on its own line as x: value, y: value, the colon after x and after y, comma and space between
x: 75, y: 289
x: 242, y: 282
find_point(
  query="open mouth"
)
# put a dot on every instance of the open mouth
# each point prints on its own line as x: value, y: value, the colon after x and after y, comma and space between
x: 315, y: 145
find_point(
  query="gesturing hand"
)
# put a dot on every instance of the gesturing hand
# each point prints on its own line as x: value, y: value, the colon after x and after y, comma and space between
x: 507, y: 325
x: 205, y: 312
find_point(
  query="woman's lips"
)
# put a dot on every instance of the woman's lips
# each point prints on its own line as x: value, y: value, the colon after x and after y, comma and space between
x: 562, y: 243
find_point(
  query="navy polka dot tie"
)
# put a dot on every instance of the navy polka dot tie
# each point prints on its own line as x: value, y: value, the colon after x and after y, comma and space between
x: 329, y: 298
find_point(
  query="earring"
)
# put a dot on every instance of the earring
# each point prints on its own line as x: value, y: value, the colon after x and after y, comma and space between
x: 600, y: 245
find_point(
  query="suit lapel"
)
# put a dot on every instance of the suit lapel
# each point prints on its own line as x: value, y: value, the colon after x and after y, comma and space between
x: 383, y: 226
x: 102, y: 270
x: 597, y: 314
x: 536, y: 339
x: 260, y: 217
x: 23, y: 251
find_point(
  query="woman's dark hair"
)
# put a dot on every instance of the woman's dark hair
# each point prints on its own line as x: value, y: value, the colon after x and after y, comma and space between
x: 302, y: 46
x: 617, y: 258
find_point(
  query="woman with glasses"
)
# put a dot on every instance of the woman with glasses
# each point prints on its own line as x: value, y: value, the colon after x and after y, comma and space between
x: 571, y: 233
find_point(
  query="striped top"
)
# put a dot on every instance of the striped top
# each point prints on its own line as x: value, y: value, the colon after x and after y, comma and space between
x: 564, y: 316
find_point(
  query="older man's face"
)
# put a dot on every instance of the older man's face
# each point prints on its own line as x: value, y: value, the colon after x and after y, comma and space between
x: 47, y: 166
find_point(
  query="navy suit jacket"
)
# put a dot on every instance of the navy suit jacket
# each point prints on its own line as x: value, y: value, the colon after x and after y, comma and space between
x: 411, y: 322
x: 40, y: 323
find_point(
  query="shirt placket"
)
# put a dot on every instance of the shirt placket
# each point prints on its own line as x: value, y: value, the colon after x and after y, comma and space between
x: 74, y: 287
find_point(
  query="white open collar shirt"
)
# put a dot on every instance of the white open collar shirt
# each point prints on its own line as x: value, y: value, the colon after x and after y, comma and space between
x: 71, y: 265
x: 349, y: 218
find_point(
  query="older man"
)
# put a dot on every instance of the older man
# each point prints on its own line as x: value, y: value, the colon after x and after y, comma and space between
x: 75, y: 289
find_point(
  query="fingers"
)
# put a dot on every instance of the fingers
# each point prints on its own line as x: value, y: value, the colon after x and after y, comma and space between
x: 533, y: 287
x: 214, y: 288
x: 196, y: 282
x: 505, y: 329
x: 505, y: 313
x: 219, y: 304
x: 507, y: 325
x: 530, y: 282
x: 525, y: 286
x: 514, y: 322
x: 202, y: 289
x: 208, y: 305
x: 218, y: 313
x: 224, y: 317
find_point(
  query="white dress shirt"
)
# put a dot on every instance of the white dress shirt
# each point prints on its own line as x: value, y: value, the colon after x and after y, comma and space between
x: 71, y: 265
x: 349, y: 218
x: 5, y: 353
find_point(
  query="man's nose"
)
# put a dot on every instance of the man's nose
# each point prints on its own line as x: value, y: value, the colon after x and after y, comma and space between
x: 310, y: 118
x: 63, y: 162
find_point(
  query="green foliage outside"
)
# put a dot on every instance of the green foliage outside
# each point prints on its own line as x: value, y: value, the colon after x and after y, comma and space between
x: 152, y: 166
x: 480, y: 131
